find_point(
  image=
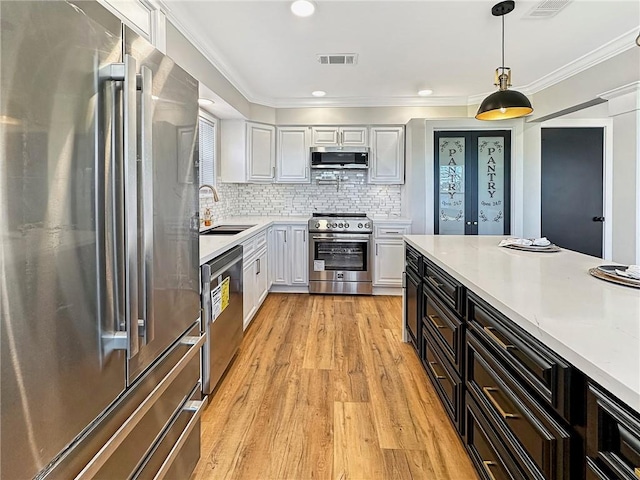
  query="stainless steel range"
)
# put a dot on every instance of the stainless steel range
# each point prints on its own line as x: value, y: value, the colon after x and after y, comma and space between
x: 340, y: 253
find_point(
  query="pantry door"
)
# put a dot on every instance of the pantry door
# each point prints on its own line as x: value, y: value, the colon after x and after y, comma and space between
x: 472, y: 182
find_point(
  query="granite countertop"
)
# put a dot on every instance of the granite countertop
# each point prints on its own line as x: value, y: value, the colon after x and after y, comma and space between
x: 212, y: 246
x: 592, y: 324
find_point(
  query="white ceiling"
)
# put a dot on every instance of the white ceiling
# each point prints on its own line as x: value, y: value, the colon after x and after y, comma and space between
x: 451, y: 47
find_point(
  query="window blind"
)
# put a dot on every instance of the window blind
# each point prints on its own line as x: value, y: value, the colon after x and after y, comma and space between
x: 207, y: 132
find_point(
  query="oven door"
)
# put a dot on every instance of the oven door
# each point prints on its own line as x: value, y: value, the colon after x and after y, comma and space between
x: 340, y: 257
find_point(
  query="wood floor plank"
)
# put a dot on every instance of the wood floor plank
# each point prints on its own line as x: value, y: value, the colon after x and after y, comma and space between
x: 357, y: 454
x: 324, y: 388
x: 319, y: 344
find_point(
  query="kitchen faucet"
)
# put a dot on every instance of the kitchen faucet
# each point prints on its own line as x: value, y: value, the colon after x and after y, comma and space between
x: 213, y: 190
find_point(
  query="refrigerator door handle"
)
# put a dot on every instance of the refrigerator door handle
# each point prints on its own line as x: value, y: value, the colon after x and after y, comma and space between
x: 120, y: 340
x: 130, y: 180
x: 146, y: 203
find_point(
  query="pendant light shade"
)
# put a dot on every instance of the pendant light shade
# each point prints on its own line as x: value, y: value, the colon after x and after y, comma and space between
x: 504, y: 103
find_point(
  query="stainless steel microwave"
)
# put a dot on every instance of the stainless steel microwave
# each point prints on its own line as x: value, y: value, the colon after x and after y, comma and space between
x: 340, y: 157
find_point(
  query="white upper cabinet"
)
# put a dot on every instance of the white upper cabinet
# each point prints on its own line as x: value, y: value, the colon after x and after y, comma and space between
x: 247, y: 152
x: 292, y: 155
x: 386, y: 163
x: 339, y: 136
x: 261, y: 153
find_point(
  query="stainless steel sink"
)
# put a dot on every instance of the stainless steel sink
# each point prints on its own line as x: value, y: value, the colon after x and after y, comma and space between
x: 226, y: 229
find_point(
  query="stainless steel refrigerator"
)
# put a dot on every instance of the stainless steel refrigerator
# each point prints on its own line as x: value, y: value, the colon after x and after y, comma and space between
x: 99, y: 291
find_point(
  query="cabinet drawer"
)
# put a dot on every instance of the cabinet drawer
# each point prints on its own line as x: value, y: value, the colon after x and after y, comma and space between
x: 391, y: 231
x: 445, y: 286
x: 445, y: 327
x: 613, y: 435
x: 413, y: 259
x: 248, y: 248
x: 487, y: 453
x: 446, y: 382
x: 539, y: 443
x: 534, y: 365
x: 261, y: 240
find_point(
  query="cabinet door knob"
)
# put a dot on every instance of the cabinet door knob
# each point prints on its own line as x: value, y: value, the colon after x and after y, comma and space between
x: 468, y: 223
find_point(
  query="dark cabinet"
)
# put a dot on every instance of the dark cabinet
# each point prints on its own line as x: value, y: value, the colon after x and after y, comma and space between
x: 445, y: 327
x: 444, y: 285
x: 537, y: 439
x: 446, y: 381
x: 539, y: 368
x: 613, y: 437
x: 487, y: 453
x: 413, y: 295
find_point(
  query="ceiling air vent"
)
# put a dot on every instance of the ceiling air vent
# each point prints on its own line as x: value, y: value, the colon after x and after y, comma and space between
x: 547, y: 9
x: 338, y: 59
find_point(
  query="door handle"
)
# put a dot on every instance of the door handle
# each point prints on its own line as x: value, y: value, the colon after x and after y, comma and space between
x: 258, y: 266
x: 146, y: 192
x: 598, y: 219
x: 488, y: 391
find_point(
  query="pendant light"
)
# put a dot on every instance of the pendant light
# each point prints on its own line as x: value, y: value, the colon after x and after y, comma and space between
x: 504, y: 103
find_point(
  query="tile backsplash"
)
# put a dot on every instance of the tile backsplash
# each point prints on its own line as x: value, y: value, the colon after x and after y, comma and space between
x: 301, y: 199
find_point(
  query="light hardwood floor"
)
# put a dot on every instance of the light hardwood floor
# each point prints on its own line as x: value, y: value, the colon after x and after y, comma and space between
x: 324, y: 388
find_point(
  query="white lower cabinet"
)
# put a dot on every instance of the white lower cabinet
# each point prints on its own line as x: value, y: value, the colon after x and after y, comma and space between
x: 290, y: 255
x: 255, y: 275
x: 388, y: 263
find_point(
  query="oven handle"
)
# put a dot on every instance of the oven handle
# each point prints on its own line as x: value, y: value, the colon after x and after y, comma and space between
x: 343, y: 237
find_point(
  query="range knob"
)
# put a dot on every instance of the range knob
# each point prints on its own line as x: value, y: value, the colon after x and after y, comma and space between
x: 359, y: 225
x: 346, y: 225
x: 367, y: 225
x: 334, y: 225
x: 340, y: 225
x: 318, y: 225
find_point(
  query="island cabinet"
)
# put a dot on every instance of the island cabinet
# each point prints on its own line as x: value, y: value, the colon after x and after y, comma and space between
x: 613, y: 437
x: 412, y: 297
x: 443, y: 339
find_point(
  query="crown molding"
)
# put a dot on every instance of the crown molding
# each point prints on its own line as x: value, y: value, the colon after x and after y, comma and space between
x: 618, y: 45
x: 633, y: 87
x: 214, y: 57
x: 371, y: 102
x: 609, y: 50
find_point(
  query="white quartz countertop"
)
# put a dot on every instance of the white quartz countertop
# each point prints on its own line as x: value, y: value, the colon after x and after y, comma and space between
x: 212, y: 246
x: 593, y: 324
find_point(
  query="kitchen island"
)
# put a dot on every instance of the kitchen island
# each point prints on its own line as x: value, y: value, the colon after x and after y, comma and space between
x: 536, y: 362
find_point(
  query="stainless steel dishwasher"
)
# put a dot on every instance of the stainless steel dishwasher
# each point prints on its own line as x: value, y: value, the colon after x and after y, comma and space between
x: 222, y: 303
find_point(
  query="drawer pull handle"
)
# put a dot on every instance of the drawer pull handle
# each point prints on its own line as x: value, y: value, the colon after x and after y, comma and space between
x: 433, y: 370
x: 490, y: 330
x: 487, y: 468
x: 637, y: 472
x: 435, y: 323
x: 434, y: 282
x: 488, y: 391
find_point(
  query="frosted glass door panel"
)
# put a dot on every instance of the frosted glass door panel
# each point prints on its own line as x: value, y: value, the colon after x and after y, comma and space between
x: 451, y: 208
x: 491, y: 181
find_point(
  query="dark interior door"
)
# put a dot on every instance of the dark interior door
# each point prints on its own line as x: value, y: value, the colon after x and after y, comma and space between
x: 572, y: 192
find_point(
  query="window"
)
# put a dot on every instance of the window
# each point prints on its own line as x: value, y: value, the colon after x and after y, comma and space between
x: 207, y: 146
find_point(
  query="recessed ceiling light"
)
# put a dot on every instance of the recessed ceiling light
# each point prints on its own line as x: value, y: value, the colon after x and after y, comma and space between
x: 303, y: 8
x: 425, y: 93
x: 205, y: 102
x: 318, y: 93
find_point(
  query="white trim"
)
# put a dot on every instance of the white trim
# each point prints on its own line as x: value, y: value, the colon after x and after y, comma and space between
x: 516, y: 127
x: 618, y: 45
x: 607, y: 185
x: 633, y: 87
